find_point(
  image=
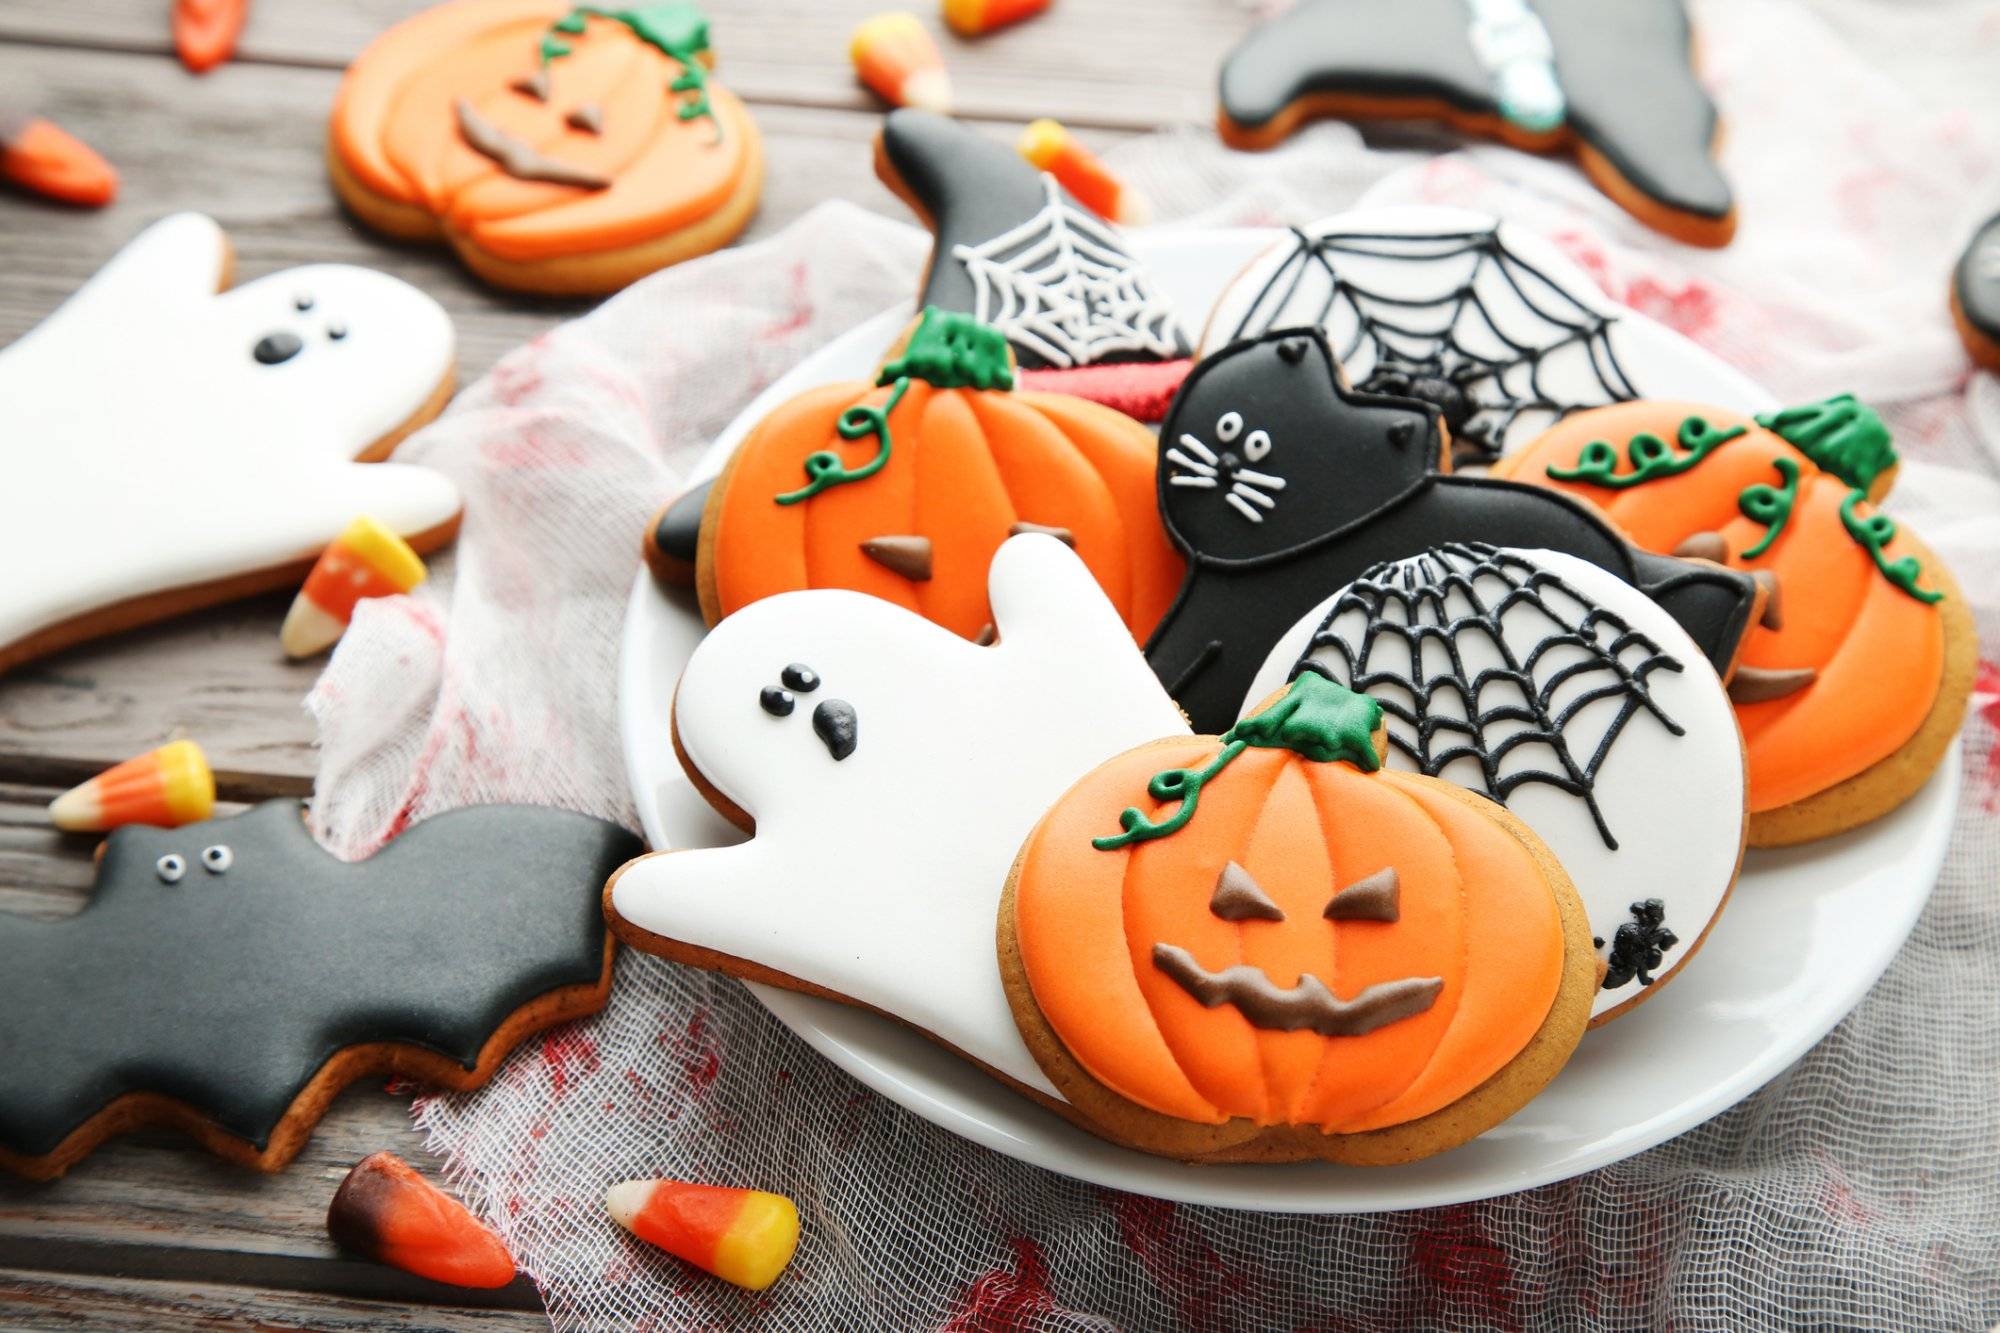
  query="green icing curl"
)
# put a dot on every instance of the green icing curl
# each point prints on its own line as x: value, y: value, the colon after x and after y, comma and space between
x: 676, y: 29
x: 1877, y: 531
x: 1651, y: 457
x: 1770, y: 505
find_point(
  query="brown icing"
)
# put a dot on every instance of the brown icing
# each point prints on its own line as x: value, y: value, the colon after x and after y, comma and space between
x: 520, y: 160
x: 1378, y: 897
x: 1238, y: 897
x: 1773, y: 617
x: 987, y: 635
x: 588, y: 117
x: 1063, y: 535
x: 1756, y: 685
x: 908, y: 556
x: 534, y: 85
x: 1308, y: 1006
x: 1704, y: 546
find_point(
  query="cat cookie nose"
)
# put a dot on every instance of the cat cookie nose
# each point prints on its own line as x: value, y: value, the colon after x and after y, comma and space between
x: 274, y: 348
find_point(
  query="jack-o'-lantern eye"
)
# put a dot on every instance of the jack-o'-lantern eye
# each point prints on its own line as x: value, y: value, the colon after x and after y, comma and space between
x: 1377, y: 897
x: 1238, y: 897
x: 587, y: 116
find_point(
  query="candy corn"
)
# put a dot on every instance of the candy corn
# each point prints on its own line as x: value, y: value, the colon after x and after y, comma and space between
x: 385, y: 1210
x: 895, y: 56
x: 970, y: 18
x: 742, y: 1236
x: 205, y: 31
x: 169, y: 787
x: 367, y: 560
x: 40, y: 156
x: 1051, y: 148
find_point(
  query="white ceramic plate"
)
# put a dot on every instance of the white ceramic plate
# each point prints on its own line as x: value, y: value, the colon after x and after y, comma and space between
x: 1806, y: 933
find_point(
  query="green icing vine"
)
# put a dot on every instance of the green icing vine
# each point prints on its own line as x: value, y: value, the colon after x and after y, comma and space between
x: 823, y: 466
x: 1841, y: 434
x: 1317, y: 718
x: 1877, y: 531
x: 1770, y: 505
x: 676, y: 29
x: 1651, y: 457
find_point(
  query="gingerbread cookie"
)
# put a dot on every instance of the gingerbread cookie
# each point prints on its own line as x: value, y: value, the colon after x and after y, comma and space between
x: 1856, y: 678
x: 1975, y: 295
x: 905, y: 489
x: 1281, y: 485
x: 220, y: 458
x: 890, y: 770
x: 1571, y: 698
x: 229, y: 978
x: 1017, y: 251
x: 559, y: 149
x: 1263, y: 946
x: 1612, y: 83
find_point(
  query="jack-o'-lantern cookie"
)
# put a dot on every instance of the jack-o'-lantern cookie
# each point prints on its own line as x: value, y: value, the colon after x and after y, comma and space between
x: 905, y: 489
x: 1263, y: 946
x: 557, y: 148
x: 1856, y: 679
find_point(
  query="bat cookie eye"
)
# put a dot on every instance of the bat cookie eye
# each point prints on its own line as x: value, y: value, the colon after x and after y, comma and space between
x: 1229, y: 427
x: 1257, y: 445
x: 217, y: 859
x: 170, y: 868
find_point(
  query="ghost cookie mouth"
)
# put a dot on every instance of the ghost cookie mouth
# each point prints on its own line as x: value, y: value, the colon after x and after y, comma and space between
x: 1307, y: 1006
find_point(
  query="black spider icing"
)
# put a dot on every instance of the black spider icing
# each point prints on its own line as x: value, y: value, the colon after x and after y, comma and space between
x: 1638, y: 946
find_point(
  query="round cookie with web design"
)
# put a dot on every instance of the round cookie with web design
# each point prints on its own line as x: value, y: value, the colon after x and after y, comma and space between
x: 1573, y: 699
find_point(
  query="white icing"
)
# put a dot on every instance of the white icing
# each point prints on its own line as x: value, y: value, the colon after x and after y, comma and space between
x: 146, y: 449
x: 1675, y: 804
x: 1061, y: 284
x: 879, y: 876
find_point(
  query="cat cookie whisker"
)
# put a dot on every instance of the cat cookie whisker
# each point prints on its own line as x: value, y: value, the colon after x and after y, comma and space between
x: 1176, y: 456
x: 1185, y: 479
x: 1196, y: 447
x: 1243, y: 508
x: 1264, y: 479
x: 1253, y: 495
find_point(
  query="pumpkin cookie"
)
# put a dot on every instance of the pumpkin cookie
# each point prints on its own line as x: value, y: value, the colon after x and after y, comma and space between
x: 559, y: 149
x: 1854, y: 682
x: 1975, y: 295
x: 906, y: 488
x: 1263, y: 946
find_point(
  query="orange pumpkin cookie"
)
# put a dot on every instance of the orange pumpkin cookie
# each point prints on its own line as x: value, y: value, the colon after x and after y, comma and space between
x: 559, y: 149
x: 1852, y: 688
x: 906, y: 488
x: 1263, y: 946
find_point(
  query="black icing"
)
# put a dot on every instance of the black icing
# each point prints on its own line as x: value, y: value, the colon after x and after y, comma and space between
x: 799, y: 677
x: 1625, y: 69
x: 229, y: 992
x: 677, y: 535
x: 1976, y: 281
x: 1361, y: 486
x: 776, y: 702
x: 1638, y: 946
x: 277, y: 348
x: 835, y: 724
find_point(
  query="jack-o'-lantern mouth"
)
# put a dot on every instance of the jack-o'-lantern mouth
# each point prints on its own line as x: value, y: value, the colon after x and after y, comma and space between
x: 1308, y: 1006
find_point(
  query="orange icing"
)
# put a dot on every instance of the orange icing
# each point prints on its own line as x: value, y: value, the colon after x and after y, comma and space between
x: 1476, y: 911
x: 965, y: 466
x: 1879, y: 652
x: 395, y: 129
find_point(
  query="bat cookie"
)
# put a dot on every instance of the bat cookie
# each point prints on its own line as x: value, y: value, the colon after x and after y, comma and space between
x: 1975, y: 295
x: 1281, y: 485
x: 1855, y: 680
x: 1265, y: 947
x: 560, y: 149
x: 1015, y: 250
x: 1571, y: 698
x: 1612, y: 83
x: 222, y: 453
x: 905, y: 489
x: 890, y: 770
x: 229, y: 978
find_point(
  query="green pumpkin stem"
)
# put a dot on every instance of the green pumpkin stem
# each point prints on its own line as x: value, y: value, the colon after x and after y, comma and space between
x: 1841, y: 434
x: 952, y: 351
x: 675, y: 28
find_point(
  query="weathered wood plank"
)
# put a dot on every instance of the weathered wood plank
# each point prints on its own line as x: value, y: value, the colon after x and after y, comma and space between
x: 33, y: 1301
x: 1119, y: 63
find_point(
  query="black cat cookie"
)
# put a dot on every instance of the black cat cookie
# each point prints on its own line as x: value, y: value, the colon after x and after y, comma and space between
x: 1281, y: 485
x: 1975, y: 295
x: 230, y: 977
x: 1612, y: 83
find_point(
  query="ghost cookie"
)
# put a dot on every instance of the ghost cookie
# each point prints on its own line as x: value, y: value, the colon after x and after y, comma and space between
x: 1612, y: 83
x: 222, y: 455
x: 558, y: 149
x: 1855, y: 680
x: 229, y: 978
x: 1015, y: 250
x: 1263, y: 946
x: 1281, y: 485
x: 1571, y: 698
x: 890, y: 770
x: 905, y: 489
x: 1975, y: 295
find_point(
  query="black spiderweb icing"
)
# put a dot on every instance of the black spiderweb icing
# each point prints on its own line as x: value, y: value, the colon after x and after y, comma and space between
x: 1417, y: 616
x: 1497, y: 328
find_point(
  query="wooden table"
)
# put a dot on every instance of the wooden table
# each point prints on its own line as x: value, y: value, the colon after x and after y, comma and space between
x: 148, y: 1232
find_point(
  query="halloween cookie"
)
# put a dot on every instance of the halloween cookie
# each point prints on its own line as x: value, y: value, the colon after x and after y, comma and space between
x: 1975, y: 295
x: 229, y: 978
x: 1571, y: 698
x: 890, y: 770
x: 560, y: 149
x: 1490, y: 323
x: 905, y: 489
x: 221, y: 456
x: 1612, y: 83
x: 1856, y: 678
x: 1281, y: 484
x: 1263, y: 946
x: 1016, y: 250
